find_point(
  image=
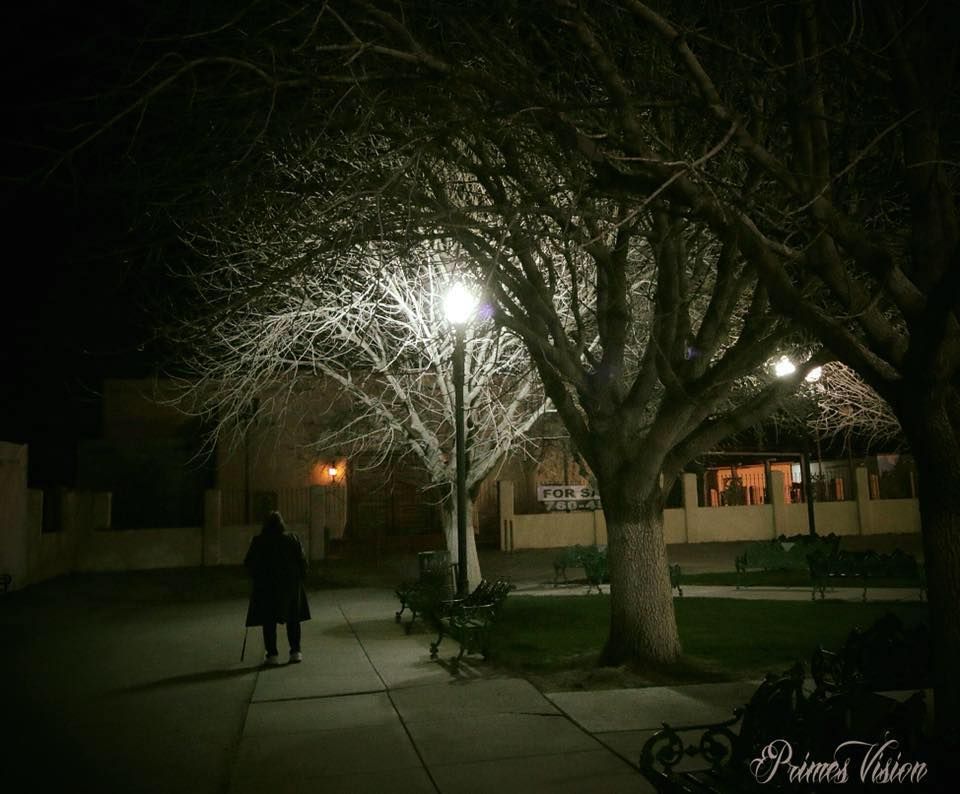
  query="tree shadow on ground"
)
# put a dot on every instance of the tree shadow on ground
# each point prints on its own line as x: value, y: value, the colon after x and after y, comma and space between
x: 206, y: 676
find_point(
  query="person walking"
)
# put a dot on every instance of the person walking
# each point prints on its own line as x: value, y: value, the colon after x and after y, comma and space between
x: 278, y: 568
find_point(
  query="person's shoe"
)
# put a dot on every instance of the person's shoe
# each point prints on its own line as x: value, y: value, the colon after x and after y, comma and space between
x: 296, y: 657
x: 271, y: 660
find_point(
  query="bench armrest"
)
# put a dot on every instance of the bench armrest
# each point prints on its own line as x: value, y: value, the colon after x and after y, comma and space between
x: 667, y: 748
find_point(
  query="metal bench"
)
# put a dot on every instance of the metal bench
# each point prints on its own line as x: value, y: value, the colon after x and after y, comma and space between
x: 783, y: 554
x: 723, y: 757
x: 468, y: 620
x: 593, y: 560
x: 884, y: 657
x: 6, y: 580
x: 434, y: 584
x: 861, y: 567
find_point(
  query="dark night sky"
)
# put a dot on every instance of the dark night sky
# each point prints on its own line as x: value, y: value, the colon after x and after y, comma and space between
x: 70, y: 310
x: 75, y: 279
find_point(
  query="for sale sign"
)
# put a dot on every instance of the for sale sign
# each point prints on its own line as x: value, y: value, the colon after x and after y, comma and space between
x: 568, y: 497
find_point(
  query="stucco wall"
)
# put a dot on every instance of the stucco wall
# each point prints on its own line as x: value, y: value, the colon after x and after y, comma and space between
x: 840, y: 518
x: 140, y: 549
x: 707, y: 524
x: 51, y: 553
x: 892, y: 515
x: 542, y: 530
x: 695, y: 524
x: 793, y: 520
x: 13, y: 512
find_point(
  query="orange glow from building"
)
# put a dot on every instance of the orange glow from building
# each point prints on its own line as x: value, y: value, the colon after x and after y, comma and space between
x: 328, y: 472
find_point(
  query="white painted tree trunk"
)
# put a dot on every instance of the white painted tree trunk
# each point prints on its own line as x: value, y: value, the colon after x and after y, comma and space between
x: 450, y: 532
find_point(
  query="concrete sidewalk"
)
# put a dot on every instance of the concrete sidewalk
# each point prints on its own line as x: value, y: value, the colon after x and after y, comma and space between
x: 133, y: 683
x: 368, y: 711
x: 752, y: 593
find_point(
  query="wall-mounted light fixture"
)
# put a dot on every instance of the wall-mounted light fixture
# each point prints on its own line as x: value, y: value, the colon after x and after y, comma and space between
x: 329, y: 472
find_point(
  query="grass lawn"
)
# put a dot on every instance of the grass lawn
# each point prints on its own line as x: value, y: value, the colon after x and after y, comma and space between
x: 556, y: 641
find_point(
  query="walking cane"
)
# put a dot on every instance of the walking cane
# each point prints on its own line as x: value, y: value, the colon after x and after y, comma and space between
x: 243, y: 650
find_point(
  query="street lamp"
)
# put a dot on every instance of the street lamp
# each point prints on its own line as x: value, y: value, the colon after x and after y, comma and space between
x: 782, y: 368
x: 459, y: 306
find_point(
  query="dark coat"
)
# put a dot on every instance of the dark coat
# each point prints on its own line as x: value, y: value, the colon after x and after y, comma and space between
x: 278, y: 568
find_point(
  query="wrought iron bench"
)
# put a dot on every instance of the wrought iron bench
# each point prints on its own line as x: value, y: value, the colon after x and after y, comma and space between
x: 435, y: 584
x: 780, y: 716
x: 783, y: 554
x: 863, y: 566
x: 6, y: 580
x: 886, y: 656
x: 468, y: 620
x: 593, y: 560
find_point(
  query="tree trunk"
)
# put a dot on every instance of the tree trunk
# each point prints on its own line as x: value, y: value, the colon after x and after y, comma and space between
x: 450, y: 533
x: 934, y: 443
x: 643, y: 626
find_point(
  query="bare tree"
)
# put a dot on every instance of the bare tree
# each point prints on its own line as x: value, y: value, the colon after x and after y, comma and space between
x: 843, y: 119
x: 376, y: 334
x: 844, y: 406
x: 652, y: 338
x: 651, y: 335
x: 486, y: 125
x: 618, y: 208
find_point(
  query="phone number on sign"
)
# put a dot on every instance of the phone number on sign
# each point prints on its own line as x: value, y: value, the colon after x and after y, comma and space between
x: 573, y: 504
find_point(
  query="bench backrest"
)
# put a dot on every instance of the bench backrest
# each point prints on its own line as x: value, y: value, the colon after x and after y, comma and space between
x: 885, y: 656
x: 780, y: 710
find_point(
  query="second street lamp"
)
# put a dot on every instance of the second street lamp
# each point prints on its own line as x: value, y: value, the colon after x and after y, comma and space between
x: 459, y: 306
x: 782, y: 368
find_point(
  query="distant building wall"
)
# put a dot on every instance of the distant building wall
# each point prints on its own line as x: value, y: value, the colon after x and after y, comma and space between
x: 83, y: 538
x: 694, y: 524
x: 140, y: 549
x: 150, y: 457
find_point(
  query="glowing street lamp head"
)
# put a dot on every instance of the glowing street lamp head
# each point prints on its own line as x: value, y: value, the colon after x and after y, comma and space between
x: 459, y: 304
x: 783, y: 367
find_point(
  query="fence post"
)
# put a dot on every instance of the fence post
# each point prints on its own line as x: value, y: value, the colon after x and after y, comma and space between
x: 318, y: 521
x: 505, y: 511
x: 691, y: 504
x: 779, y: 506
x: 102, y: 517
x: 862, y: 491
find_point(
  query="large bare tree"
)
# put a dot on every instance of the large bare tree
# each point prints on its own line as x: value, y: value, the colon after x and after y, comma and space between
x: 363, y: 331
x: 481, y: 124
x: 808, y: 145
x: 843, y: 119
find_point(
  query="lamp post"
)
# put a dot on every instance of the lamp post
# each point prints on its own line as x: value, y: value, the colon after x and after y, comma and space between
x: 782, y: 368
x: 459, y: 306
